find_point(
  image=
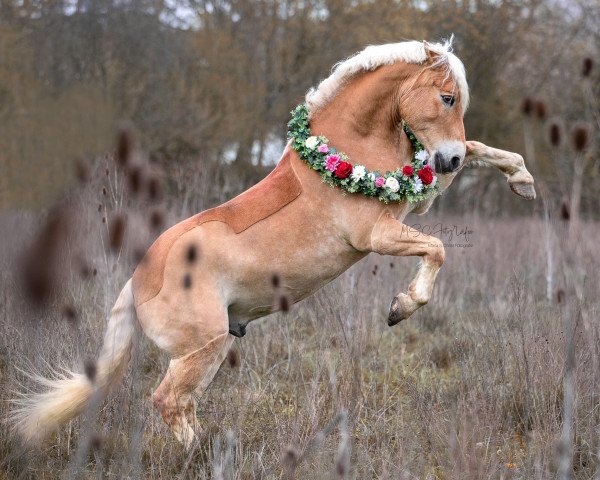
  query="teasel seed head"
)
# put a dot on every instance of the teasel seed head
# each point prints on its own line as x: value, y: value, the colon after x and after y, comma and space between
x: 540, y: 109
x: 70, y: 314
x: 565, y: 212
x: 580, y: 136
x: 554, y: 134
x: 154, y: 190
x: 233, y: 358
x: 81, y: 171
x: 96, y: 442
x: 284, y: 303
x: 124, y: 146
x: 192, y: 254
x: 527, y: 106
x: 90, y: 369
x: 134, y: 176
x: 290, y: 458
x: 117, y: 232
x: 588, y: 65
x: 157, y: 219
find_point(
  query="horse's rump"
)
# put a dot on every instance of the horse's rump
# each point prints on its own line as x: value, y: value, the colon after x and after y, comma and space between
x: 267, y: 197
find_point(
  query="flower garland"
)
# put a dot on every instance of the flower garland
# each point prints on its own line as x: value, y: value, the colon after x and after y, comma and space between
x: 413, y: 182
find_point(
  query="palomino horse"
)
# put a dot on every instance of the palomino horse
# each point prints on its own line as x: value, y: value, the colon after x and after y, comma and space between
x: 204, y: 279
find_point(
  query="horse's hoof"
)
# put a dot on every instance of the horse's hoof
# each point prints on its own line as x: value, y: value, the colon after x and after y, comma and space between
x: 237, y: 329
x: 524, y: 190
x: 398, y: 311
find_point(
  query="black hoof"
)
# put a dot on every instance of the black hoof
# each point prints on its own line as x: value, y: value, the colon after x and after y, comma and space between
x: 237, y: 330
x: 524, y: 190
x: 395, y: 316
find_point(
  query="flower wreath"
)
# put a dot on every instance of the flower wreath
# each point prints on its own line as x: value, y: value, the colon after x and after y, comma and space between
x: 413, y: 182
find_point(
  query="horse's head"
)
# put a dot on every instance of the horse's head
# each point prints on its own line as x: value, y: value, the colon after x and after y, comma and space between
x: 370, y: 93
x: 433, y: 105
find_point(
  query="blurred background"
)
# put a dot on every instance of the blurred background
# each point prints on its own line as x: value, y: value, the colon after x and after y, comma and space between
x: 497, y: 377
x: 213, y: 82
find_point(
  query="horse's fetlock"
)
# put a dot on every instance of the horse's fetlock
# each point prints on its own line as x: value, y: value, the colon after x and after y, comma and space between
x: 419, y: 298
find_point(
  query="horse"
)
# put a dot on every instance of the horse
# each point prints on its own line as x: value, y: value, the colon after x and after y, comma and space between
x: 204, y: 279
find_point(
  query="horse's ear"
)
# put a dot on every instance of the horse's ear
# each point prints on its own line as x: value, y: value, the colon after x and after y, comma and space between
x: 432, y: 55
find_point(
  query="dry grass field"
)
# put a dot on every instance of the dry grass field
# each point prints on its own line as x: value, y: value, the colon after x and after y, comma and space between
x: 471, y: 387
x: 497, y: 378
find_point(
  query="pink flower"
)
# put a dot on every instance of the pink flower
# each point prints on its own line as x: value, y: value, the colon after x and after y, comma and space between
x: 323, y: 148
x: 379, y: 181
x: 332, y: 162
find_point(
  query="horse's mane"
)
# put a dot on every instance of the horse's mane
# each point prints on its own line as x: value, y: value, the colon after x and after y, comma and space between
x: 377, y: 55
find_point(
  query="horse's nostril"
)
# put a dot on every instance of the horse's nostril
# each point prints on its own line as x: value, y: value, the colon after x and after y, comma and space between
x: 455, y: 161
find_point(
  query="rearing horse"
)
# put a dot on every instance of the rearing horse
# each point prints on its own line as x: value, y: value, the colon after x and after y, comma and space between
x: 204, y: 279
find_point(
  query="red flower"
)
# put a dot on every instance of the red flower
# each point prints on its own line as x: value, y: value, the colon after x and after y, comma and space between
x: 408, y: 170
x: 343, y: 170
x: 426, y: 174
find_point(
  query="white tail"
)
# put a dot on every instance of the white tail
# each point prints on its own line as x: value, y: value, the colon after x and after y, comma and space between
x: 37, y: 414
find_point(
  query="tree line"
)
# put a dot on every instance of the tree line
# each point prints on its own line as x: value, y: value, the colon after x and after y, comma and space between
x: 214, y: 81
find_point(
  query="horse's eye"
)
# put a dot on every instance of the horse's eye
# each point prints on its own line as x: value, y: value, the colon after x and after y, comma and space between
x: 448, y: 100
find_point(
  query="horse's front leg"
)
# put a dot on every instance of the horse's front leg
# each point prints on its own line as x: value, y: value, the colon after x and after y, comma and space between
x: 391, y: 237
x: 510, y: 164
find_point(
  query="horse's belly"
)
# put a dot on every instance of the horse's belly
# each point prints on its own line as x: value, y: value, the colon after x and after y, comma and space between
x: 261, y: 287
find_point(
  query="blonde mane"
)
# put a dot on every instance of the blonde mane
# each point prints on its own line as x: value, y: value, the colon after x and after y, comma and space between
x: 375, y: 56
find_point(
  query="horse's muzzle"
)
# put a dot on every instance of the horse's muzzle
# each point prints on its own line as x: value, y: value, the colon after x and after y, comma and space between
x: 447, y: 163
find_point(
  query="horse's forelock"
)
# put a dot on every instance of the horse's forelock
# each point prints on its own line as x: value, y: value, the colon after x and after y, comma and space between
x: 453, y: 65
x: 375, y: 56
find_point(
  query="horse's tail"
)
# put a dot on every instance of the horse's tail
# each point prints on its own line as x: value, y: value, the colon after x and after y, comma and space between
x: 66, y: 395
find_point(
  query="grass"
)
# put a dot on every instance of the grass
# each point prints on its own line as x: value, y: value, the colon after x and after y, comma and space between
x: 470, y: 387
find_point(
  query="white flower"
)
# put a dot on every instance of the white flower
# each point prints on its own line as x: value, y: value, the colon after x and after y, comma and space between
x: 311, y: 142
x: 418, y: 185
x: 434, y: 181
x: 392, y: 184
x: 358, y: 173
x: 372, y: 176
x: 422, y: 155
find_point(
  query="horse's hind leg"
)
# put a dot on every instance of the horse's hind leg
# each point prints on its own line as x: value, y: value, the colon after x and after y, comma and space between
x: 188, y: 320
x: 194, y: 330
x: 173, y: 398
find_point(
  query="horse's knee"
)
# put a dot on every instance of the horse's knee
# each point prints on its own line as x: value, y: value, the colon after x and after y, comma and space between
x: 436, y: 253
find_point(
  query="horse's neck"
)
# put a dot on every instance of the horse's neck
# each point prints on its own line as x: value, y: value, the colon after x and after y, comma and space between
x: 359, y: 120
